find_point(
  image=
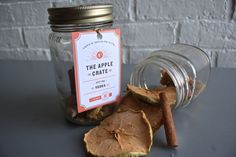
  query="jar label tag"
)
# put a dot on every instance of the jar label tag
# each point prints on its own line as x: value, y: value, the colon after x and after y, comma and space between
x: 97, y: 63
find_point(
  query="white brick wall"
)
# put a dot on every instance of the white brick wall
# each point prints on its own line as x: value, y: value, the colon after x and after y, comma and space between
x: 10, y: 38
x: 146, y: 26
x: 36, y: 37
x: 180, y: 9
x: 147, y: 34
x: 208, y: 34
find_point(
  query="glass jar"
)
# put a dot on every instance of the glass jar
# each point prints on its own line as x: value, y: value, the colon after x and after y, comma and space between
x: 65, y: 21
x: 182, y: 66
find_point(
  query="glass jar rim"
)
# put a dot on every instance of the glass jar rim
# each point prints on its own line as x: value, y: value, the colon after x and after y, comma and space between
x: 69, y: 19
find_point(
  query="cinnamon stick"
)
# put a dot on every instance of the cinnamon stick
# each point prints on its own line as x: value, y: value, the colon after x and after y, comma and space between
x: 168, y: 121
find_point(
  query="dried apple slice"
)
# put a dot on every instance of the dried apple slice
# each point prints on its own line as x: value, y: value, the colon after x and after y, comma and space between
x: 143, y: 94
x: 126, y: 133
x: 152, y: 112
x: 152, y: 96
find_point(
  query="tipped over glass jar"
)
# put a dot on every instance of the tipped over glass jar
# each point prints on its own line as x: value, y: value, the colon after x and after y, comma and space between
x: 184, y: 67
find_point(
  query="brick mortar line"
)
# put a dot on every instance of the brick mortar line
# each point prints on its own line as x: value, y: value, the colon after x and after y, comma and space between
x: 187, y: 20
x: 124, y: 23
x: 132, y: 10
x: 11, y: 14
x: 144, y: 22
x: 43, y: 27
x: 204, y: 48
x: 25, y: 2
x: 143, y: 49
x: 129, y: 23
x: 121, y: 22
x: 177, y: 32
x: 154, y: 48
x: 207, y: 49
x: 22, y: 33
x: 24, y: 27
x: 22, y: 49
x: 9, y: 28
x: 229, y: 8
x: 212, y: 21
x: 126, y: 47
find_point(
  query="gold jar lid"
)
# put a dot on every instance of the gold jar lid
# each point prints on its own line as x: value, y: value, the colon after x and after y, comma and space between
x: 83, y: 16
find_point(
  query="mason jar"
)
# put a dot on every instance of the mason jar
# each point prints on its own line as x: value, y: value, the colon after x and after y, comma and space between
x: 92, y: 20
x: 184, y: 67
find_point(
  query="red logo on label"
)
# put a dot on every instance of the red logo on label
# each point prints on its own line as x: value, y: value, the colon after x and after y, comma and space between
x: 95, y: 98
x: 99, y: 54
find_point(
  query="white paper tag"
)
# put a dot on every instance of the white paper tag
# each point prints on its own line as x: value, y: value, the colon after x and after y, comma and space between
x: 97, y: 63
